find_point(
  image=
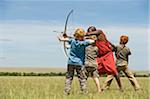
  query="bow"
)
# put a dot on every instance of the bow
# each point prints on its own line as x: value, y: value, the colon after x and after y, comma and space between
x: 65, y: 31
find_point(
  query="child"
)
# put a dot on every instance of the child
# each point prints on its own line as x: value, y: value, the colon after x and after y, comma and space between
x: 91, y: 64
x: 105, y: 58
x: 76, y: 60
x: 122, y: 53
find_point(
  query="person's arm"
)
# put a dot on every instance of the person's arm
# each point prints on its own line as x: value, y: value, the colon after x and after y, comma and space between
x: 97, y: 32
x: 86, y: 42
x: 113, y: 47
x: 129, y: 52
x: 64, y: 39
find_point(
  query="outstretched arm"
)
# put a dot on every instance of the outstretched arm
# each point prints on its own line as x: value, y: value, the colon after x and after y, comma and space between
x: 97, y: 32
x: 64, y: 39
x: 113, y: 46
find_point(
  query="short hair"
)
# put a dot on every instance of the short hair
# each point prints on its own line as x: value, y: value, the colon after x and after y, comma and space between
x: 79, y: 33
x: 91, y: 28
x: 124, y: 39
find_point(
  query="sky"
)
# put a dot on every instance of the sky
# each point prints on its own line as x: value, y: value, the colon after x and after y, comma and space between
x: 27, y: 37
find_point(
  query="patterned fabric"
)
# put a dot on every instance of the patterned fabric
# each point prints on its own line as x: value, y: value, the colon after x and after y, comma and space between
x: 69, y: 78
x: 91, y: 72
x: 90, y: 56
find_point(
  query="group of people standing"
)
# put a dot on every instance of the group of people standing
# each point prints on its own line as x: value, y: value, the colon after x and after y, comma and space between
x: 91, y: 55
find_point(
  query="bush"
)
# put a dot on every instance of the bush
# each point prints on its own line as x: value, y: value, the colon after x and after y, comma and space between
x: 55, y: 74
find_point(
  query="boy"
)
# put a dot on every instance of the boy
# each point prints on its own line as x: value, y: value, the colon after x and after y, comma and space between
x: 122, y: 53
x: 76, y: 60
x: 105, y: 58
x: 90, y: 62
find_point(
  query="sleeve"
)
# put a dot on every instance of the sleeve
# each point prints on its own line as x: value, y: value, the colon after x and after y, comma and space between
x: 116, y: 49
x: 69, y: 41
x: 86, y: 42
x: 129, y: 52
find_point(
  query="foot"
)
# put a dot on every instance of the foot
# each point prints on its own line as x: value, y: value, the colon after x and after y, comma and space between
x: 100, y: 91
x: 121, y: 89
x: 84, y: 92
x: 66, y: 93
x: 137, y: 89
x: 105, y: 88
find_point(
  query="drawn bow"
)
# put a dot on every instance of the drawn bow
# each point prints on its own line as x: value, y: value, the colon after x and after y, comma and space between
x: 65, y: 32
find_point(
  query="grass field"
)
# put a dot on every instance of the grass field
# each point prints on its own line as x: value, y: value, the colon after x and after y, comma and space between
x: 52, y: 88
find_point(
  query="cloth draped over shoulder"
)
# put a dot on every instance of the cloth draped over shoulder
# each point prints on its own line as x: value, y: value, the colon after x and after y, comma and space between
x: 105, y: 59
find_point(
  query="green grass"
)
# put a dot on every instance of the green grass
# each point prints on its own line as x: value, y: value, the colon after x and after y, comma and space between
x: 52, y: 88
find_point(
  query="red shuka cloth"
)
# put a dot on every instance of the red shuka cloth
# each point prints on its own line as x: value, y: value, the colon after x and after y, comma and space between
x: 105, y: 59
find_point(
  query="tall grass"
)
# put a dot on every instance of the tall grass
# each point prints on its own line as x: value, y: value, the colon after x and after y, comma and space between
x: 52, y: 88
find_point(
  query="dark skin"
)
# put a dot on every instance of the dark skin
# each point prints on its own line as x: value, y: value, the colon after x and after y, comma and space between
x: 97, y: 32
x: 101, y: 36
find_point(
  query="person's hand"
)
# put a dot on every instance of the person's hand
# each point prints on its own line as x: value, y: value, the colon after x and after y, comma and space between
x: 61, y: 38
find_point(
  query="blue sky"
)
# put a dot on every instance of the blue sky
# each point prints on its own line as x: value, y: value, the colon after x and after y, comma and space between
x: 26, y: 29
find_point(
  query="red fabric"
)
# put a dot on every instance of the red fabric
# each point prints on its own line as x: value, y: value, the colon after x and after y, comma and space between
x: 105, y: 60
x: 103, y: 48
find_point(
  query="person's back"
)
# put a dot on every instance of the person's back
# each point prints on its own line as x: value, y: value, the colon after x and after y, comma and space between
x: 91, y: 64
x: 122, y: 53
x: 76, y: 60
x: 77, y: 52
x: 90, y: 56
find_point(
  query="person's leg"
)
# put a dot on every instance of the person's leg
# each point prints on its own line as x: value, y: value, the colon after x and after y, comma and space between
x: 117, y: 77
x: 95, y: 76
x: 96, y: 80
x: 131, y: 78
x: 69, y: 78
x: 108, y: 82
x: 82, y: 79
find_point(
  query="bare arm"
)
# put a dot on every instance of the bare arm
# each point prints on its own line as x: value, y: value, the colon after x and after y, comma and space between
x: 113, y: 47
x: 64, y: 39
x: 97, y: 32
